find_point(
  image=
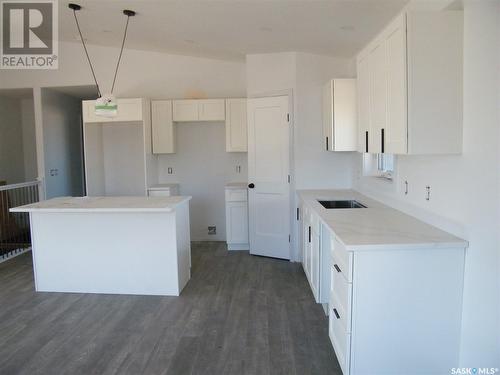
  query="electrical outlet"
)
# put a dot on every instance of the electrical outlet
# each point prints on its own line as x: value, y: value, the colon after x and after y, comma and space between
x: 238, y: 169
x: 170, y: 170
x: 212, y: 230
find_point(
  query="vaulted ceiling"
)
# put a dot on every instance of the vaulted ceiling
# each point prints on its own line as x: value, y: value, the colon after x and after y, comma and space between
x: 230, y: 29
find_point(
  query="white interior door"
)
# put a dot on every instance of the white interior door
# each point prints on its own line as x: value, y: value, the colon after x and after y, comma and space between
x: 268, y: 171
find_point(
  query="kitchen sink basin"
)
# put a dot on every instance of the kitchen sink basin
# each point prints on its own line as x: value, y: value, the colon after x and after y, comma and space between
x: 341, y: 204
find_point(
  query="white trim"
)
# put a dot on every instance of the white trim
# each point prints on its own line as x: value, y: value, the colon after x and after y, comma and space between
x: 18, y: 186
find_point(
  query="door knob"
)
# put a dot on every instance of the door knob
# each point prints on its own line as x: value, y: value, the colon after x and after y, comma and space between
x: 251, y: 186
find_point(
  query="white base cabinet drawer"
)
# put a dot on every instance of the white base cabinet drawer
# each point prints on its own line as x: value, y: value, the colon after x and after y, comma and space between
x: 236, y: 195
x: 342, y: 259
x: 341, y: 341
x: 341, y: 297
x: 159, y: 193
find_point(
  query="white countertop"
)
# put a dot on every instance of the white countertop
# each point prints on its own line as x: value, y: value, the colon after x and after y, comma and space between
x: 377, y: 227
x: 163, y: 186
x: 236, y: 185
x: 105, y: 204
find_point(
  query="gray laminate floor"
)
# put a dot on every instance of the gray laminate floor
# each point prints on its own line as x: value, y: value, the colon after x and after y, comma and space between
x: 239, y: 314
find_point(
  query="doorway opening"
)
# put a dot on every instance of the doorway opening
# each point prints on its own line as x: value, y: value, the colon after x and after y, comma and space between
x: 64, y: 168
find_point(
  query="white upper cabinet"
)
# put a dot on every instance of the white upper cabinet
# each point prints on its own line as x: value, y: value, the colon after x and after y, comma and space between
x: 236, y: 125
x: 339, y: 115
x: 395, y: 134
x: 211, y: 110
x: 163, y: 130
x: 187, y: 110
x: 363, y: 87
x: 410, y: 86
x: 378, y: 97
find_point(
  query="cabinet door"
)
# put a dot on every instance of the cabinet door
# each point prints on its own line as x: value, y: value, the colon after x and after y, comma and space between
x: 396, y: 127
x: 159, y: 193
x: 162, y: 127
x: 328, y: 116
x: 378, y: 96
x: 185, y: 110
x: 236, y: 125
x: 307, y: 250
x: 315, y: 263
x: 237, y: 222
x: 363, y: 94
x: 344, y: 115
x: 211, y: 110
x: 305, y: 241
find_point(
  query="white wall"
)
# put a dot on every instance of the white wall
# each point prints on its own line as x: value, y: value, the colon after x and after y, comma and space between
x: 29, y: 139
x: 303, y: 75
x: 465, y: 188
x: 17, y: 138
x: 202, y: 167
x: 62, y: 144
x: 11, y: 141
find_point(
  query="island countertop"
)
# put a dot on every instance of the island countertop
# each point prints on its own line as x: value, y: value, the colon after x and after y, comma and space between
x: 105, y: 204
x: 377, y: 226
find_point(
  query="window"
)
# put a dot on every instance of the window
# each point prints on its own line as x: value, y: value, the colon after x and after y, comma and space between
x: 379, y: 165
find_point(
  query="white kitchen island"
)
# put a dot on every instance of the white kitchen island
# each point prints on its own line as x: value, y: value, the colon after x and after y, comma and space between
x: 112, y: 245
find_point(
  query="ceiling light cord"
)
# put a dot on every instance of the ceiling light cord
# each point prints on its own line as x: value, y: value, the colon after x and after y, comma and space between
x: 87, y: 53
x: 121, y: 52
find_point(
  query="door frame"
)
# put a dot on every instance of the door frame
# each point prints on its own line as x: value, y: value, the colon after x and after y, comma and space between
x: 293, y: 244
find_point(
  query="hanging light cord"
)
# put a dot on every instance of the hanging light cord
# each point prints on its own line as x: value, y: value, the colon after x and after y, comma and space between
x: 87, y: 53
x: 121, y: 52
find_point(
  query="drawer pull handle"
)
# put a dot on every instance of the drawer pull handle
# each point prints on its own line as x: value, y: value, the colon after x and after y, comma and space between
x: 337, y: 268
x: 336, y: 313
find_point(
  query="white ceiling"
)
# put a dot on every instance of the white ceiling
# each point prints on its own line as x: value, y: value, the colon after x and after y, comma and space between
x: 230, y: 29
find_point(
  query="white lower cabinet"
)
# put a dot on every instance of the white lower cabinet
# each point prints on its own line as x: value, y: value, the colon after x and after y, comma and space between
x: 237, y: 219
x: 396, y: 311
x: 312, y: 256
x: 163, y: 190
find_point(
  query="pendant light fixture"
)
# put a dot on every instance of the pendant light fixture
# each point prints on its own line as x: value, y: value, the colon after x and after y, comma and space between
x: 105, y: 105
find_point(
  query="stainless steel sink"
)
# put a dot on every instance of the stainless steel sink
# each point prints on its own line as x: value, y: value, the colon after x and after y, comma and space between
x: 341, y: 204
